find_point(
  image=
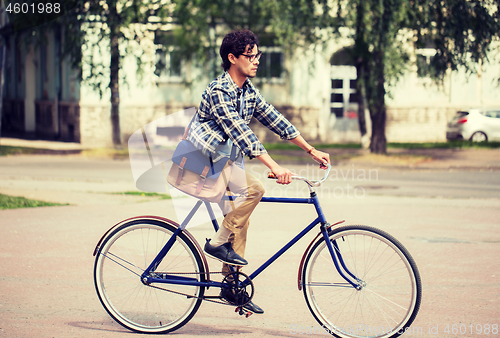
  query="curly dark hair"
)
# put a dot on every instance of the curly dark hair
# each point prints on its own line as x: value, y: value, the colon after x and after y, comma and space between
x: 236, y: 43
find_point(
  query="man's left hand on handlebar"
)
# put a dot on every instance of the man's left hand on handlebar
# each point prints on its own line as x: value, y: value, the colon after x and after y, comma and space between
x: 283, y: 175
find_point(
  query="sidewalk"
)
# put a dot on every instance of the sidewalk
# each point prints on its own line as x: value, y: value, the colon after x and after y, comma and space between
x: 427, y: 159
x: 40, y: 144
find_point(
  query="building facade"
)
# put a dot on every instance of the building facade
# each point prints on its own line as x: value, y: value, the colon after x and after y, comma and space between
x: 314, y: 89
x: 41, y: 92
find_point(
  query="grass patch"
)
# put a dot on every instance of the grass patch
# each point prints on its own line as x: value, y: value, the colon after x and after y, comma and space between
x: 446, y: 145
x: 106, y: 152
x: 12, y: 150
x: 8, y: 150
x: 144, y: 194
x: 290, y: 158
x: 14, y: 202
x: 289, y: 146
x: 396, y: 145
x: 98, y: 152
x: 124, y: 154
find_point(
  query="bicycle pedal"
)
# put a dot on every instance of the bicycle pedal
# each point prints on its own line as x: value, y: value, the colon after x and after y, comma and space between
x: 242, y: 312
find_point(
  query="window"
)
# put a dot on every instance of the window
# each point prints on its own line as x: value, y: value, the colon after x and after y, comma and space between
x: 270, y: 65
x: 424, y: 56
x: 343, y: 97
x: 169, y: 65
x: 494, y: 114
x: 43, y: 63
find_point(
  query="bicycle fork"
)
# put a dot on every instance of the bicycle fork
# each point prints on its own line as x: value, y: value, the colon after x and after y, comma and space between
x: 336, y: 255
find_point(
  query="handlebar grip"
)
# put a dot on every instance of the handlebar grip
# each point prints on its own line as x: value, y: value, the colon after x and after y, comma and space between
x: 271, y: 175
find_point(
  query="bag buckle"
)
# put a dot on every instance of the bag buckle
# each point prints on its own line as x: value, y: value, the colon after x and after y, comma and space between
x: 201, y: 183
x: 180, y: 173
x: 204, y: 173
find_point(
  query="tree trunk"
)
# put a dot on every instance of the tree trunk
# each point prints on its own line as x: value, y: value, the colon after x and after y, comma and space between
x: 359, y: 52
x: 3, y: 50
x: 361, y: 99
x: 114, y: 75
x: 378, y: 143
x: 361, y: 94
x: 375, y: 88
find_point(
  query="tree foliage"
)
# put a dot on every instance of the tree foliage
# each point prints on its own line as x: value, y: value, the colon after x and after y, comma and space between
x: 385, y: 34
x: 93, y: 30
x: 460, y: 30
x: 281, y: 23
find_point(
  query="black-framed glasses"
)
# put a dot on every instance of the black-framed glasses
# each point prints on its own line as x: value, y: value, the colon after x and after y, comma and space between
x: 253, y: 57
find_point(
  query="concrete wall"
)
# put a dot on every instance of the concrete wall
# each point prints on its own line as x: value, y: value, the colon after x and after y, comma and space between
x: 418, y: 109
x: 418, y: 124
x: 95, y: 125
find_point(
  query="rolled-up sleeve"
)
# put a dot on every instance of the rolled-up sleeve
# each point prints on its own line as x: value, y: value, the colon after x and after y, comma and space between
x: 223, y: 109
x: 266, y: 114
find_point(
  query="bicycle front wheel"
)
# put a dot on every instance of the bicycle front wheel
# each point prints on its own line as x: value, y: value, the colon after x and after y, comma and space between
x: 389, y: 297
x: 121, y: 259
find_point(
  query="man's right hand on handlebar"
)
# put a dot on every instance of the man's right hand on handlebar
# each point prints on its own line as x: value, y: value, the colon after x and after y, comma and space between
x: 283, y: 175
x: 321, y: 157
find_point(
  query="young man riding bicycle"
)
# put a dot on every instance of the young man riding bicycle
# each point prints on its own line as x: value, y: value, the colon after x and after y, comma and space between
x: 227, y: 106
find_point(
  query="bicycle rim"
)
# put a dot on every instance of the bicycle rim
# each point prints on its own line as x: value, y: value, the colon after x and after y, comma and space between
x: 389, y: 300
x: 123, y: 257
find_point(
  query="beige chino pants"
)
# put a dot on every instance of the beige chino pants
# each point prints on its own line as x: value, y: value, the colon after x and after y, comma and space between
x: 237, y: 213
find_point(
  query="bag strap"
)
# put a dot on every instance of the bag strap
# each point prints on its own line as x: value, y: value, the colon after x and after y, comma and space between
x: 181, y: 171
x: 232, y: 157
x: 201, y: 182
x: 186, y: 131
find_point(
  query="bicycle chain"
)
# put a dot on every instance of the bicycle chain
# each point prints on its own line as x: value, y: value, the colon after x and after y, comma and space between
x: 191, y: 296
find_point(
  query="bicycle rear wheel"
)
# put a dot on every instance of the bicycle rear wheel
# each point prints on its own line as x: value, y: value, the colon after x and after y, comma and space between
x: 389, y: 299
x: 123, y: 257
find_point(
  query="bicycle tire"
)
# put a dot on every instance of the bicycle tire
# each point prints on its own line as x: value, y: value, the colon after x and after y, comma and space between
x: 121, y: 259
x: 389, y: 300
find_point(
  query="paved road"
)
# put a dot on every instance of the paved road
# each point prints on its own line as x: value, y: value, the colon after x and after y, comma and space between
x: 448, y: 220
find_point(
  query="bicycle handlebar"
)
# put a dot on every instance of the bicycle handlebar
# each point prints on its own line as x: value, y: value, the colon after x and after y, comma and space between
x: 315, y: 183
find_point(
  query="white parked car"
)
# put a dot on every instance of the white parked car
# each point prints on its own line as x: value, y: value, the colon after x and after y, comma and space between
x: 476, y: 125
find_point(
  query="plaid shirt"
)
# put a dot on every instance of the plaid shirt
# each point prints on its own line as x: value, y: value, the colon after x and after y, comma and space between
x: 218, y: 118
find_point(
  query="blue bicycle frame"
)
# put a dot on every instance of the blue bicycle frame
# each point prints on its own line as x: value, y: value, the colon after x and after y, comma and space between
x: 149, y: 277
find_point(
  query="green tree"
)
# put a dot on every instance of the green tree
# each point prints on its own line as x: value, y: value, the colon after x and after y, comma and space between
x: 382, y: 31
x: 93, y: 29
x: 121, y: 24
x: 281, y: 23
